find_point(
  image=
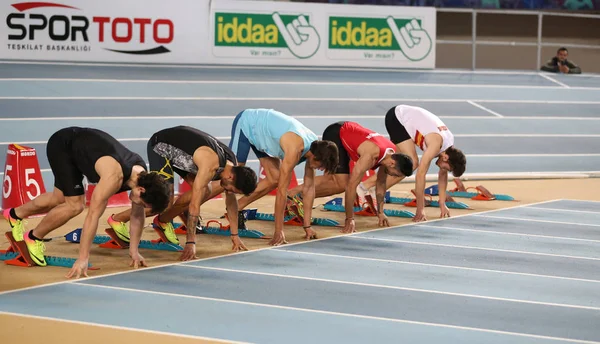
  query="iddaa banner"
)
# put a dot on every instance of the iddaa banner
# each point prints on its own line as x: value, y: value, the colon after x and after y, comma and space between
x: 278, y: 33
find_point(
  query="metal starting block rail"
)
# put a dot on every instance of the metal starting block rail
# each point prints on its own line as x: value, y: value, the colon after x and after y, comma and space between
x: 336, y: 204
x: 180, y: 228
x: 480, y: 194
x: 114, y: 242
x: 412, y: 202
x: 225, y: 231
x: 253, y: 214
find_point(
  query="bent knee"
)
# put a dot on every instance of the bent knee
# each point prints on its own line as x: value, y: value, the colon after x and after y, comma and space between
x: 272, y: 180
x: 76, y: 208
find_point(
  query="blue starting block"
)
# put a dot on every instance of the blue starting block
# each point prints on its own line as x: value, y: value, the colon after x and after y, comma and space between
x: 316, y: 221
x: 246, y: 233
x: 464, y: 194
x: 436, y: 204
x: 75, y: 237
x: 452, y: 205
x: 243, y: 233
x: 18, y: 255
x: 8, y: 255
x: 336, y: 204
x: 434, y: 191
x: 50, y: 260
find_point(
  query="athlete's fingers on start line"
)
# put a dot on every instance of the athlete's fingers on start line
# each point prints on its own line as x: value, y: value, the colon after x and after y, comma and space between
x: 238, y: 247
x: 189, y: 253
x: 137, y: 263
x: 79, y: 268
x: 310, y: 234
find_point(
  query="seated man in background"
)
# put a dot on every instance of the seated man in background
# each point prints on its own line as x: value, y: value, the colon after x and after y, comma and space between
x: 560, y: 64
x: 281, y: 143
x: 74, y: 153
x: 198, y: 158
x: 411, y: 126
x: 369, y: 150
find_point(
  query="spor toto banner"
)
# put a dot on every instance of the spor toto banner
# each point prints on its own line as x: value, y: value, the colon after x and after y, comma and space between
x: 107, y: 30
x: 279, y: 33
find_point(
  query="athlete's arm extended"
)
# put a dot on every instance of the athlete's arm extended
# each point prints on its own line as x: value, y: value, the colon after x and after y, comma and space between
x: 136, y: 225
x: 368, y: 153
x: 111, y: 179
x: 292, y: 146
x: 442, y: 184
x: 380, y: 188
x: 433, y: 147
x: 308, y: 192
x: 231, y: 205
x: 208, y: 162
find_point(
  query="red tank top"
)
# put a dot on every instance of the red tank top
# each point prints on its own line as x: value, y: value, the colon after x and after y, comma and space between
x: 353, y: 135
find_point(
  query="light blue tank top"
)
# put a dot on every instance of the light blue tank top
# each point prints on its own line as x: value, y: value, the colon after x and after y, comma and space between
x: 264, y: 128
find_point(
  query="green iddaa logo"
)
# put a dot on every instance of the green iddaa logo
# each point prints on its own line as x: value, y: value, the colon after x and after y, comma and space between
x: 267, y: 31
x: 388, y: 33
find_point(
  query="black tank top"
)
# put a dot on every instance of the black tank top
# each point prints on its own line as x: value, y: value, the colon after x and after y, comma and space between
x: 179, y: 143
x: 88, y: 145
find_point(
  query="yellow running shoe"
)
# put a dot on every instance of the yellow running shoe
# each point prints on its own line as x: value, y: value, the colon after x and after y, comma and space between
x: 167, y: 229
x: 297, y: 201
x: 17, y: 225
x: 36, y: 250
x: 120, y: 229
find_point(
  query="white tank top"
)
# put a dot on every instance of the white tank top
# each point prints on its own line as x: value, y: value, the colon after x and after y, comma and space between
x: 420, y: 122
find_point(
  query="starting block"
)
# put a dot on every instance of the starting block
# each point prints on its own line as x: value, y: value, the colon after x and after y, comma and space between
x: 180, y: 228
x: 221, y: 229
x: 481, y: 194
x: 336, y: 205
x: 112, y: 241
x: 253, y: 214
x: 18, y: 255
x: 225, y: 231
x: 412, y: 202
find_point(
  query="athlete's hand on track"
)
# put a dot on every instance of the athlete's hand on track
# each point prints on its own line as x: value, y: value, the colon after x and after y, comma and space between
x: 350, y: 226
x: 419, y: 216
x: 238, y: 245
x: 278, y: 239
x: 189, y: 252
x: 383, y: 220
x: 444, y: 211
x: 79, y: 268
x: 310, y: 233
x: 137, y: 260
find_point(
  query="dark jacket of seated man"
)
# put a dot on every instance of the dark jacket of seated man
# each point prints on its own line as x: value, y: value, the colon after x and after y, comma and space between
x: 560, y: 64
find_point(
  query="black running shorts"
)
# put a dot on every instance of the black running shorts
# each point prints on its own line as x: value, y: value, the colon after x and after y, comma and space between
x: 162, y: 165
x: 394, y: 128
x: 67, y: 176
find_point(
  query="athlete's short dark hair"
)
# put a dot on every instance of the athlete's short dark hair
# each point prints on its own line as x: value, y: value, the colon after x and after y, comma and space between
x: 245, y: 179
x: 327, y: 153
x: 156, y: 191
x: 404, y: 164
x: 457, y: 161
